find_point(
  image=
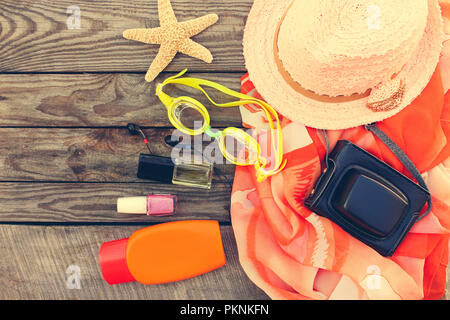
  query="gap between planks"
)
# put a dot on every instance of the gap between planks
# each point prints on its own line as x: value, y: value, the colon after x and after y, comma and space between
x: 36, y: 37
x: 102, y: 100
x: 35, y: 261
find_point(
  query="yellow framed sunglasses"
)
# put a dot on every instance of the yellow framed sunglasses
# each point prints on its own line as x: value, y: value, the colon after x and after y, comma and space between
x: 252, y: 152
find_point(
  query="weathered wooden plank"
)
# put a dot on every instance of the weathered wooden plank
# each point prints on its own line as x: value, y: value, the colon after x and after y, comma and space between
x: 96, y: 203
x: 100, y: 100
x: 34, y: 35
x: 81, y: 155
x: 35, y: 259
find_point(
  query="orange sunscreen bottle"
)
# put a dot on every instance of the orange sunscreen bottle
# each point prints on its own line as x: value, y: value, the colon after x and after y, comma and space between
x: 164, y: 253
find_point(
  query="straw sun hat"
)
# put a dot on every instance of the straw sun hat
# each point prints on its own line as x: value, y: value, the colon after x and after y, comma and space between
x: 337, y: 64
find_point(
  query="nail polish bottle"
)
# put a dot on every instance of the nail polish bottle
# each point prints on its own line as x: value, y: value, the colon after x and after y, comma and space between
x: 192, y: 175
x: 184, y: 173
x: 163, y: 253
x: 152, y: 205
x: 163, y: 169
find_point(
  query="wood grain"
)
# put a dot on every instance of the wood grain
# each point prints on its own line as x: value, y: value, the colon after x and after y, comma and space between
x: 75, y: 203
x: 100, y: 100
x: 35, y: 259
x: 65, y: 156
x: 82, y: 154
x: 35, y: 36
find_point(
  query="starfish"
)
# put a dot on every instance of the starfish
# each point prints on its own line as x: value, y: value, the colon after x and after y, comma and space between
x: 173, y: 37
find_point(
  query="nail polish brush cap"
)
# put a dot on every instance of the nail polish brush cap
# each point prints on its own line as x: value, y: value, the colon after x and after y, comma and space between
x: 153, y: 205
x: 132, y: 205
x: 155, y: 168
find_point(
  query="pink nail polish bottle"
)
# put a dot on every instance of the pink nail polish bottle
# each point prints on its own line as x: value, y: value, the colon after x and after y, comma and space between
x: 152, y: 205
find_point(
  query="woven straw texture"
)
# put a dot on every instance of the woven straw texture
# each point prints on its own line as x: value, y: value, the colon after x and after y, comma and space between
x: 340, y: 48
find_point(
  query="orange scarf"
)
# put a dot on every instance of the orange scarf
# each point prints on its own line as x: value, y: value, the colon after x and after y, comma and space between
x: 292, y: 253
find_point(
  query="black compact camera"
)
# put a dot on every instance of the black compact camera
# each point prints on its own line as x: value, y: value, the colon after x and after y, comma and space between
x: 367, y: 198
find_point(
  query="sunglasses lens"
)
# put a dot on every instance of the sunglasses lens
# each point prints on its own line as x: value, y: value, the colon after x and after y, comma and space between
x: 189, y: 117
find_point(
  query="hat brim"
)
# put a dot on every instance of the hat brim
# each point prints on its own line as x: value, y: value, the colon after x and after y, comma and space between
x: 258, y: 43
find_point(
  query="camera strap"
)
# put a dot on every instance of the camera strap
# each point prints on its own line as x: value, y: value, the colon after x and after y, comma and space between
x: 398, y: 152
